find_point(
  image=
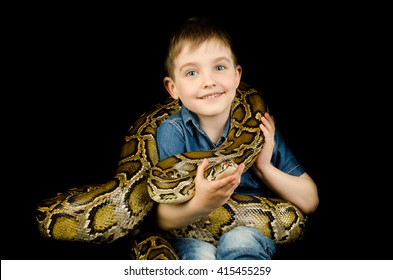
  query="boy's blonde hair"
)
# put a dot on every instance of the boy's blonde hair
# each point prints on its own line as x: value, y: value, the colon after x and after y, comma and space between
x: 196, y: 31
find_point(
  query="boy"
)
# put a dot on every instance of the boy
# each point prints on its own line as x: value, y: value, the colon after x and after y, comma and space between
x: 203, y: 73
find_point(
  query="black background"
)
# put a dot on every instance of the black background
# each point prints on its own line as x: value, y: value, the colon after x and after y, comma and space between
x: 80, y: 76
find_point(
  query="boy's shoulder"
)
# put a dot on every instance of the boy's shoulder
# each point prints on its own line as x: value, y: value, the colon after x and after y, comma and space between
x: 173, y: 120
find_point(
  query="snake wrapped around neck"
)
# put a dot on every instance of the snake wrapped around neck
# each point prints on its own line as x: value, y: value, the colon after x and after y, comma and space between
x: 105, y: 212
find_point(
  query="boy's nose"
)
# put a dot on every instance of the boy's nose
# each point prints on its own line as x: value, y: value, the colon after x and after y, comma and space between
x: 208, y: 80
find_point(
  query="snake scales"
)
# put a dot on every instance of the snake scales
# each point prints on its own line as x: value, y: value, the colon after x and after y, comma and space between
x: 108, y: 211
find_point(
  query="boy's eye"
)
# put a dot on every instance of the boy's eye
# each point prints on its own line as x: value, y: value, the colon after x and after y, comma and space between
x: 191, y: 73
x: 220, y: 67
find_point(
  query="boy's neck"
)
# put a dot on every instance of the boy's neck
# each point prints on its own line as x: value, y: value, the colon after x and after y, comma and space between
x: 213, y: 126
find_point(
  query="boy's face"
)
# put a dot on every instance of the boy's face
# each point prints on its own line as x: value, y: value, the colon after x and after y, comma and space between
x: 205, y: 79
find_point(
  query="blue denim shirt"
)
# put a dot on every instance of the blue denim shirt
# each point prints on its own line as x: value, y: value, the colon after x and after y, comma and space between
x: 182, y: 133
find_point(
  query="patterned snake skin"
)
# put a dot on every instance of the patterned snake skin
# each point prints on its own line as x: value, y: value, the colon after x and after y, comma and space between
x: 108, y: 211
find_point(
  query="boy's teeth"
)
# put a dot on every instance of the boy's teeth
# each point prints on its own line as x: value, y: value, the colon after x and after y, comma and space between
x: 211, y: 96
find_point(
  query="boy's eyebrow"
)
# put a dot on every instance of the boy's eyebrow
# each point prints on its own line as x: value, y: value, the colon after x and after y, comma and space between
x: 222, y: 58
x: 186, y: 65
x: 218, y: 59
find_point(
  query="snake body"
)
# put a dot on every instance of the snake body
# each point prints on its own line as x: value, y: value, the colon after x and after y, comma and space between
x: 108, y: 211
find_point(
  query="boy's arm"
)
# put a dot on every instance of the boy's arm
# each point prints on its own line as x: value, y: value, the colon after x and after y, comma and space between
x: 300, y: 190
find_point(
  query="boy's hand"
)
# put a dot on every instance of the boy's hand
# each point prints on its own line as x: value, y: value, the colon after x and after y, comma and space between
x: 268, y: 128
x: 213, y: 194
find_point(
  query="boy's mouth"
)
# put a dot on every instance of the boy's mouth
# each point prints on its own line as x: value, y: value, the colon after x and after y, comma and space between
x: 211, y: 96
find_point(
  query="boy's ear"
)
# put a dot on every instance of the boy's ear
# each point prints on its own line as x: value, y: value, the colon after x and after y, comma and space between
x: 170, y: 87
x: 239, y: 71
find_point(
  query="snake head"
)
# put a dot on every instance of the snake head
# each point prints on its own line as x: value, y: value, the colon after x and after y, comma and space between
x: 221, y: 170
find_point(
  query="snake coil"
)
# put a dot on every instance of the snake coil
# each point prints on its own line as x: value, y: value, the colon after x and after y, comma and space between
x: 108, y: 211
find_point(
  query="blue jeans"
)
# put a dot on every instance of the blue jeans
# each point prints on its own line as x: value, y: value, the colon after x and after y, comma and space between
x: 241, y: 243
